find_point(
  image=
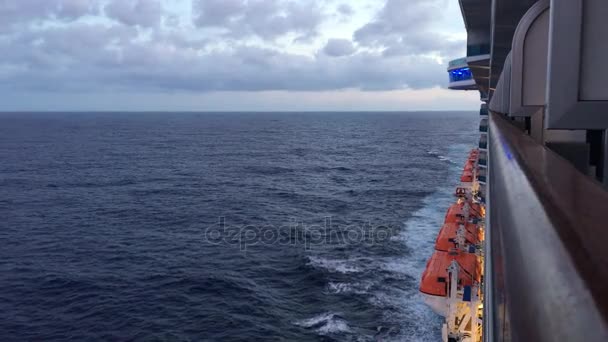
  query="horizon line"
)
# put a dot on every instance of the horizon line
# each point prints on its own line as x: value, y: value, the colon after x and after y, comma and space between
x: 235, y: 111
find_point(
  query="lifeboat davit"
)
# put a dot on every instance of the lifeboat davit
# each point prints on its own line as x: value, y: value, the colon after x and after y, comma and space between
x: 434, y: 282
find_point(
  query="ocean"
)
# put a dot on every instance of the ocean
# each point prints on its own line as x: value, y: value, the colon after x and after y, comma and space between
x: 223, y: 226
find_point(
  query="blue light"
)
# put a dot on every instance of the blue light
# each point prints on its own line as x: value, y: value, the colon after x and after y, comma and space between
x: 506, y: 148
x: 460, y: 74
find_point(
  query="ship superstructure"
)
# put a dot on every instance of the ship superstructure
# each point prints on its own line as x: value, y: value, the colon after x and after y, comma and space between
x: 521, y: 255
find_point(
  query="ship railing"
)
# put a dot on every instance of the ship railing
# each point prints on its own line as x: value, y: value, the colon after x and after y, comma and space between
x: 546, y: 263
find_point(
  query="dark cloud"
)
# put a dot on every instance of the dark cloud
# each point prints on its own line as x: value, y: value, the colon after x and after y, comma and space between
x: 339, y: 47
x: 33, y: 11
x: 267, y: 19
x: 254, y: 69
x: 116, y: 55
x: 103, y: 61
x: 399, y: 16
x: 144, y: 13
x: 73, y: 9
x: 218, y: 13
x: 405, y: 28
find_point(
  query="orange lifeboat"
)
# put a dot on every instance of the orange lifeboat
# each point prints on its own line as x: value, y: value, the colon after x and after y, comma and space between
x: 455, y: 213
x: 446, y: 237
x: 435, y: 278
x: 434, y: 282
x: 467, y: 177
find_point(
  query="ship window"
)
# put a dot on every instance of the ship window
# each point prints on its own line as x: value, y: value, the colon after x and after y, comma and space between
x: 441, y: 279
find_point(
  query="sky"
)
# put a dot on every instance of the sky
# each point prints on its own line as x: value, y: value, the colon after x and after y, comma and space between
x: 230, y: 55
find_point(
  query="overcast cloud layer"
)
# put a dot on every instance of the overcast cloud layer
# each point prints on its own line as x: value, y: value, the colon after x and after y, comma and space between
x: 75, y: 47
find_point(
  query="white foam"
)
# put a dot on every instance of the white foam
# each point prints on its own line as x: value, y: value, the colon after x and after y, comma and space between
x: 416, y: 321
x: 444, y: 158
x: 342, y: 288
x: 419, y: 237
x: 439, y: 156
x: 421, y: 229
x: 333, y: 265
x: 334, y: 326
x: 325, y: 323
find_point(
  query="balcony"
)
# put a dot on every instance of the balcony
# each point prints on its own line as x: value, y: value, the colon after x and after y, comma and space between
x: 483, y: 143
x: 483, y: 111
x: 483, y: 126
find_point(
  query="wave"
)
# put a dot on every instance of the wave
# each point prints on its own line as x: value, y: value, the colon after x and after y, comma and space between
x: 390, y: 284
x: 325, y: 323
x: 441, y: 157
x: 418, y: 235
x: 349, y: 288
x: 333, y: 265
x: 444, y: 158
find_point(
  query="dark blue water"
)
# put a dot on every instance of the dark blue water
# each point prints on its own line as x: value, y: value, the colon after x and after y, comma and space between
x: 230, y: 227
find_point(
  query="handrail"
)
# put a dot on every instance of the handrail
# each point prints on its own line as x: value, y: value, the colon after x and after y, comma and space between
x: 548, y: 244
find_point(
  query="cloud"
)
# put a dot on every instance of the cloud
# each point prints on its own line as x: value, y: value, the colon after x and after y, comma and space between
x: 230, y: 45
x: 73, y: 9
x: 413, y: 43
x: 218, y: 13
x: 145, y: 13
x: 408, y: 28
x: 339, y: 47
x: 99, y: 58
x: 267, y: 19
x: 398, y: 17
x: 345, y: 9
x: 34, y: 11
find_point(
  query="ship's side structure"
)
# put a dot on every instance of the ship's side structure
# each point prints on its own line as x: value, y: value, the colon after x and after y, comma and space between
x: 452, y: 280
x: 521, y: 254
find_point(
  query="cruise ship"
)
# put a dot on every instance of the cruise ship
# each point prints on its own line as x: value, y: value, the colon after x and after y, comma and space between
x: 522, y: 254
